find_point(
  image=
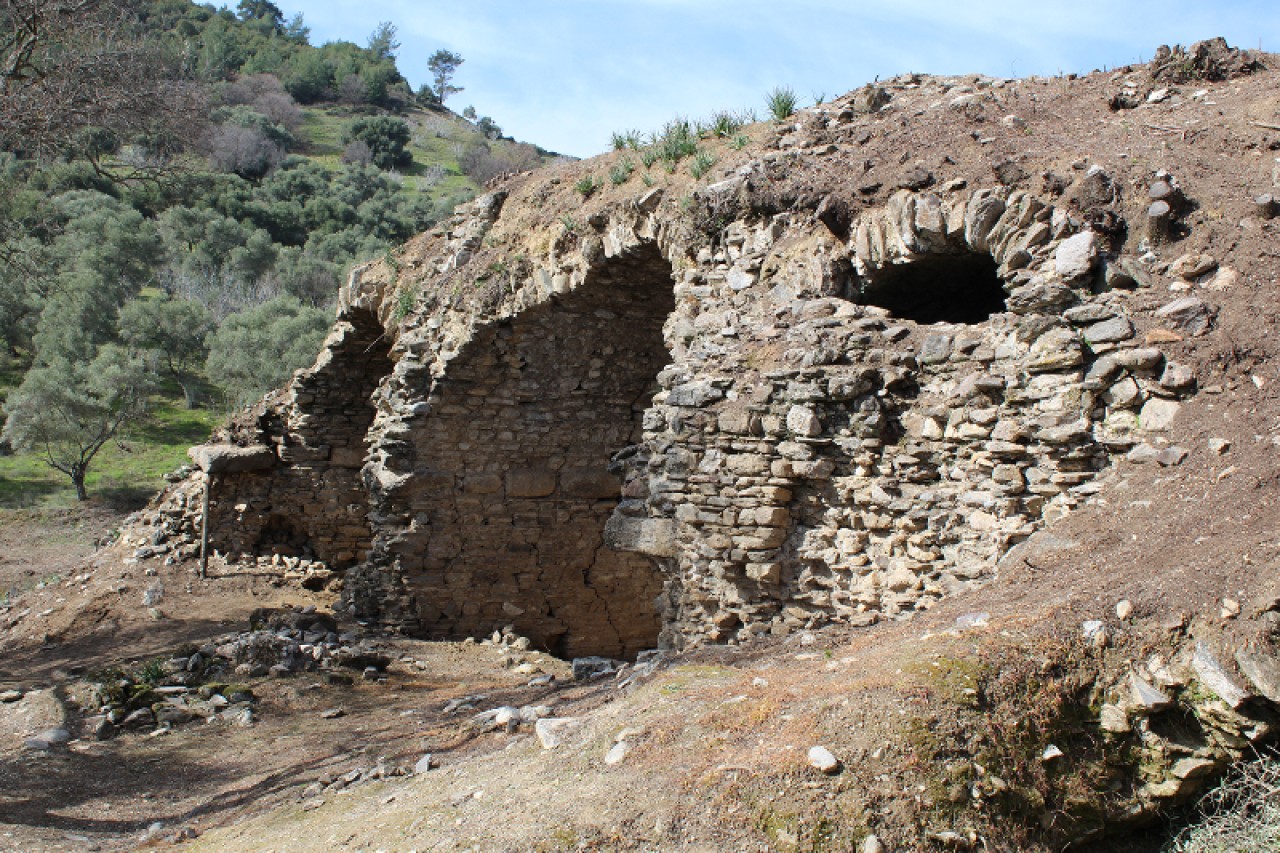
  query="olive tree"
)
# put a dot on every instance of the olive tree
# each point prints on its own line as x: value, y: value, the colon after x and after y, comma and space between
x: 173, y: 332
x: 386, y: 137
x: 259, y: 348
x: 67, y: 410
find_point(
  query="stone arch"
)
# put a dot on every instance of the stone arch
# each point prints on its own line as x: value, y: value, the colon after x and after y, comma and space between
x: 512, y: 486
x: 929, y: 260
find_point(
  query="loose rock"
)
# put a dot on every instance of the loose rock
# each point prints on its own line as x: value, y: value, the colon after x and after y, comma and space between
x: 823, y: 760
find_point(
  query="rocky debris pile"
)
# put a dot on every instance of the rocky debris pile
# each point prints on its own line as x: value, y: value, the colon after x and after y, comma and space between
x: 166, y: 694
x: 1209, y: 60
x: 208, y: 683
x: 170, y: 533
x: 332, y: 783
x: 509, y: 718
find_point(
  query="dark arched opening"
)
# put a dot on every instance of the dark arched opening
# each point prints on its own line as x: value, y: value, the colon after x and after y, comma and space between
x: 963, y: 288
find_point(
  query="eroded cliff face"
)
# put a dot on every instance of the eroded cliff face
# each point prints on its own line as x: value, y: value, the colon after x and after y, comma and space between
x: 702, y: 411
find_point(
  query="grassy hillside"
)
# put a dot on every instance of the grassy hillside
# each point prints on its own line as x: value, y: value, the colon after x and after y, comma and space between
x: 293, y: 163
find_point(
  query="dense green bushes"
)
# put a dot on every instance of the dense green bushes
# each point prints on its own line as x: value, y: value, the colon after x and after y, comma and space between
x: 206, y: 254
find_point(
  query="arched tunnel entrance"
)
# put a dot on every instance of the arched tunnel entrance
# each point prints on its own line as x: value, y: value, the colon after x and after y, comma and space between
x: 513, y: 458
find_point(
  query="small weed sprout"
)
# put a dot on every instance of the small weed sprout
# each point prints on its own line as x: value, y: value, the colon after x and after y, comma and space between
x: 649, y: 156
x: 621, y: 171
x: 587, y: 186
x: 739, y: 142
x: 406, y: 298
x: 151, y: 672
x: 647, y: 179
x: 702, y: 163
x: 569, y: 223
x: 389, y: 258
x: 781, y: 102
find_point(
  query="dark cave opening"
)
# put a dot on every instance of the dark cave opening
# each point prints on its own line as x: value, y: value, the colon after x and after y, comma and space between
x: 937, y: 289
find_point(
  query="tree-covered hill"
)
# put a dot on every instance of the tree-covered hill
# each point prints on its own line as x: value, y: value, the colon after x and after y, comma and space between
x: 182, y: 189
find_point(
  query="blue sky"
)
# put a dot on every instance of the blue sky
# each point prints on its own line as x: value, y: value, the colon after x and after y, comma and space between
x: 567, y: 73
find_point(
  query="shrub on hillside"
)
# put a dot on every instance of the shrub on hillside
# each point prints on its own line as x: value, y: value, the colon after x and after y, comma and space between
x: 258, y: 349
x: 480, y: 162
x: 386, y: 137
x: 244, y: 151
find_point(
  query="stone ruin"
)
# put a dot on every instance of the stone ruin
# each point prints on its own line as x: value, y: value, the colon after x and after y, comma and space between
x: 661, y: 433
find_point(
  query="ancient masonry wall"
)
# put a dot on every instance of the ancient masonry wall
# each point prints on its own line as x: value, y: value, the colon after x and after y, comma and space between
x: 310, y: 506
x: 504, y: 485
x: 659, y: 436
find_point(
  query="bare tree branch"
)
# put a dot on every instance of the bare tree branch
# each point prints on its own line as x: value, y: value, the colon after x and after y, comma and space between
x: 70, y: 65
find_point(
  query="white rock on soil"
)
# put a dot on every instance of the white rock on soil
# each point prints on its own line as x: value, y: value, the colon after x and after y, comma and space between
x: 552, y: 732
x: 823, y: 760
x: 617, y: 753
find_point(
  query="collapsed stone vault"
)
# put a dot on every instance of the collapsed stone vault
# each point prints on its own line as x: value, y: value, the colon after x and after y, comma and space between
x: 659, y: 433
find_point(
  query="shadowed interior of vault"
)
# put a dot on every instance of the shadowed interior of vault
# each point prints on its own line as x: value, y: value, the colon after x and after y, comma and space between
x: 938, y: 288
x: 513, y: 463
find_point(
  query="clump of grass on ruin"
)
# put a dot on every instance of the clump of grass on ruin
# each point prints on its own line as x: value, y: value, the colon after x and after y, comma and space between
x: 621, y: 171
x: 406, y: 299
x: 627, y: 139
x: 679, y: 138
x: 703, y: 160
x: 781, y: 102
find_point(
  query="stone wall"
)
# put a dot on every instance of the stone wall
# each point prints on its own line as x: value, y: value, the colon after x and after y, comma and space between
x: 504, y: 482
x: 841, y: 463
x: 658, y: 426
x: 311, y: 505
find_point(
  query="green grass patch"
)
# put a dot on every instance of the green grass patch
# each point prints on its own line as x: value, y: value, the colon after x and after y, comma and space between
x: 124, y: 474
x: 322, y: 130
